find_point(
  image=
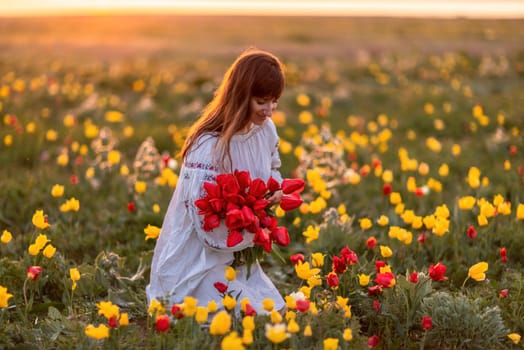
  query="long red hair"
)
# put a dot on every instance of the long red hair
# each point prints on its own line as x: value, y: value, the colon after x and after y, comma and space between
x: 255, y: 73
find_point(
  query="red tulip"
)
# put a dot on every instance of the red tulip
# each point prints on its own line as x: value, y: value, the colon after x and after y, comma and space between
x: 244, y: 179
x: 503, y: 254
x: 349, y: 256
x: 379, y: 264
x: 376, y: 305
x: 235, y: 219
x: 413, y: 277
x: 332, y: 280
x: 176, y: 311
x: 290, y: 202
x: 437, y: 272
x: 302, y: 305
x: 250, y: 311
x: 472, y: 233
x: 387, y: 189
x: 33, y: 272
x: 273, y: 185
x: 258, y: 188
x: 212, y: 190
x: 295, y: 258
x: 280, y: 236
x: 290, y: 186
x: 371, y: 242
x: 234, y: 238
x: 427, y: 323
x: 263, y: 239
x: 386, y: 279
x: 339, y: 265
x: 112, y: 322
x: 210, y: 222
x: 374, y: 291
x: 503, y: 293
x: 373, y: 341
x: 73, y: 179
x: 220, y: 287
x: 162, y: 323
x: 228, y: 184
x: 419, y: 192
x: 131, y: 207
x: 269, y: 222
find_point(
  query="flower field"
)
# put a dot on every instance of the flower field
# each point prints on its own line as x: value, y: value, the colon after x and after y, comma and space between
x: 409, y: 139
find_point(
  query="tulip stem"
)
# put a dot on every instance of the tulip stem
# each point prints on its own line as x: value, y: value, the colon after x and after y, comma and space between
x: 25, y: 294
x: 423, y: 343
x: 464, y: 284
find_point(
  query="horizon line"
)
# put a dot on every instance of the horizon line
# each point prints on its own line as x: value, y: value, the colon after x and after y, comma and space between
x: 446, y: 9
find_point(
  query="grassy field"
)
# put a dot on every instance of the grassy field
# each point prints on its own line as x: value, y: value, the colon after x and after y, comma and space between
x: 431, y: 110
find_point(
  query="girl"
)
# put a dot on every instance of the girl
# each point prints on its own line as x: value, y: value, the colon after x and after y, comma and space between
x: 234, y: 132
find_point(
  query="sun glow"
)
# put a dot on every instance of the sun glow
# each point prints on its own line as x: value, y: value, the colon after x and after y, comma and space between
x: 447, y: 8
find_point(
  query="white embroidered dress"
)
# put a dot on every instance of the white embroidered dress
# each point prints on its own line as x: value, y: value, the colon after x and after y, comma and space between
x: 187, y: 261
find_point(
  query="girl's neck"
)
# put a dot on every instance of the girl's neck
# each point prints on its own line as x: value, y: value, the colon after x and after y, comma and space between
x: 246, y: 129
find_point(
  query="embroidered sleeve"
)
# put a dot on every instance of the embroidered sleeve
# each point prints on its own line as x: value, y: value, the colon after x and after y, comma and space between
x: 275, y: 158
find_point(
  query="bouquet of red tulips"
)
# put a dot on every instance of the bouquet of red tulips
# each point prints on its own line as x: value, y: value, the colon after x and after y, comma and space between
x: 241, y: 202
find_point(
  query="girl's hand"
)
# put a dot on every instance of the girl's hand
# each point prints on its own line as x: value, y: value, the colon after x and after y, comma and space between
x: 275, y: 197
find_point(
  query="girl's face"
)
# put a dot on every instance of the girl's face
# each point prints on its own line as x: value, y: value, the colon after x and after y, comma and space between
x: 261, y: 109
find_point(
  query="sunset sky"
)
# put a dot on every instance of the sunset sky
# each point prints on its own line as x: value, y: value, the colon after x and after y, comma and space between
x: 446, y: 8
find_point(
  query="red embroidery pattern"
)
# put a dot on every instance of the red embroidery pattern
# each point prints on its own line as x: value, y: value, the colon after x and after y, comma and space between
x: 197, y: 165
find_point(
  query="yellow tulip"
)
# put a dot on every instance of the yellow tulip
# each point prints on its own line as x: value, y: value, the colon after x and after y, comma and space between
x: 4, y: 297
x: 331, y: 344
x: 41, y: 240
x: 107, y: 308
x: 124, y: 319
x: 365, y: 223
x: 40, y: 220
x: 247, y: 337
x: 230, y: 273
x: 100, y: 332
x: 311, y: 233
x: 229, y: 302
x: 268, y: 304
x: 317, y: 259
x: 248, y: 322
x: 385, y: 251
x: 275, y: 316
x: 212, y: 306
x: 6, y: 237
x: 49, y: 251
x: 304, y: 271
x: 515, y: 337
x: 140, y: 187
x: 152, y: 232
x: 220, y: 324
x: 363, y: 279
x: 155, y: 307
x: 308, y: 332
x: 276, y: 333
x: 383, y: 220
x: 520, y: 211
x: 57, y: 191
x: 201, y: 314
x: 348, y: 334
x: 478, y: 271
x: 232, y: 342
x: 293, y: 327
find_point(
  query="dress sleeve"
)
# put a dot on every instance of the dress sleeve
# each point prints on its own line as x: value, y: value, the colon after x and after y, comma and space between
x: 199, y: 167
x: 275, y: 155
